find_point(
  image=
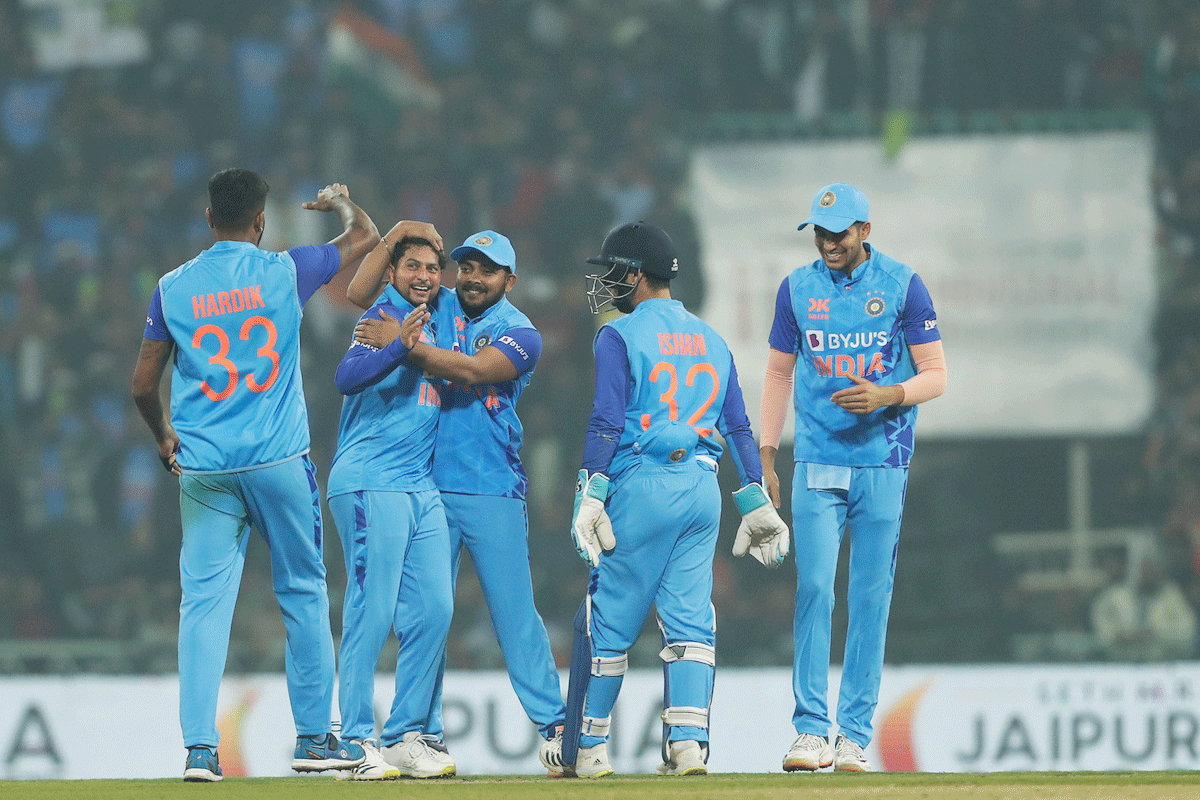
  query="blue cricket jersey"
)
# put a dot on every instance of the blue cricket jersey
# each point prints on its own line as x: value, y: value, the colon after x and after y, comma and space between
x: 665, y: 379
x: 861, y: 326
x: 479, y: 437
x: 389, y: 415
x: 234, y: 312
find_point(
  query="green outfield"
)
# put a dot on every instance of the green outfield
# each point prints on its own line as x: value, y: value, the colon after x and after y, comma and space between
x: 918, y: 786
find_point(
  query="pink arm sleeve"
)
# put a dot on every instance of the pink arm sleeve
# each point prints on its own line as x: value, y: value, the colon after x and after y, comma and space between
x: 777, y: 390
x: 930, y: 380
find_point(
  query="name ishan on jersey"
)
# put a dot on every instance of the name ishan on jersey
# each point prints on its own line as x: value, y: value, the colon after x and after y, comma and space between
x: 681, y: 344
x: 842, y: 365
x: 231, y: 302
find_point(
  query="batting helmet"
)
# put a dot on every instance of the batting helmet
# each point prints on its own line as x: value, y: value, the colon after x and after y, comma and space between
x: 637, y: 245
x: 634, y: 245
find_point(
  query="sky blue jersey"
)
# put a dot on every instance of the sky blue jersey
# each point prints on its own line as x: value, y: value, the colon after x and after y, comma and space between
x: 480, y: 436
x: 665, y: 380
x: 390, y: 413
x: 861, y: 326
x: 233, y: 312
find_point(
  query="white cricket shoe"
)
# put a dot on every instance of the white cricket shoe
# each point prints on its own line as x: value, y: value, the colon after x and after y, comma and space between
x: 592, y: 762
x: 848, y: 756
x: 686, y: 759
x: 550, y: 754
x: 415, y: 758
x: 373, y: 767
x: 809, y: 752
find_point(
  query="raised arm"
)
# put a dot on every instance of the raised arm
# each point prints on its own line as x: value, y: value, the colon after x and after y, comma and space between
x: 359, y: 234
x: 369, y: 281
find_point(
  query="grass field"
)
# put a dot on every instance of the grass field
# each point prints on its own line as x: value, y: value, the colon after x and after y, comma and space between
x: 903, y: 786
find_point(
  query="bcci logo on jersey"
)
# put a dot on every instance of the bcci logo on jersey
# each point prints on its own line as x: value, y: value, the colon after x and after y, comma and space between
x: 482, y: 341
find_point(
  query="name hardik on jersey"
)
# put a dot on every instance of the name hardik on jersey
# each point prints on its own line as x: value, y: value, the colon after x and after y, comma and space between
x: 861, y: 326
x: 386, y: 432
x: 233, y: 312
x: 480, y: 436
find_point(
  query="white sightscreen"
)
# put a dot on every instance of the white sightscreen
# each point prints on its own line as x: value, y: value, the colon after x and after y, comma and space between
x: 1037, y: 250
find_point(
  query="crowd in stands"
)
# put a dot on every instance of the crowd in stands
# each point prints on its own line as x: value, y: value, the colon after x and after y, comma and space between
x: 554, y: 121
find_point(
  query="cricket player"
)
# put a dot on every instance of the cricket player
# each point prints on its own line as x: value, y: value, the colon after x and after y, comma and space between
x: 647, y: 506
x: 858, y: 332
x: 390, y: 518
x: 237, y: 436
x: 477, y: 465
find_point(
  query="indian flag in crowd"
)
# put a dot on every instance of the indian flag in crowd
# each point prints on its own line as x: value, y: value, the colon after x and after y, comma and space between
x: 381, y: 70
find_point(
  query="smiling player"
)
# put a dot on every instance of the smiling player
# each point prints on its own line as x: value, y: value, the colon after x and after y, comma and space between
x: 858, y: 331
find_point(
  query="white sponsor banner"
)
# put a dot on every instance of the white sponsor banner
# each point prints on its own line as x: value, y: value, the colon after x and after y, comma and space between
x: 929, y: 719
x: 1036, y: 248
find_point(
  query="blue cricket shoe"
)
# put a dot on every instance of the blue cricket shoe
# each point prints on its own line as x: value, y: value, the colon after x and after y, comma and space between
x: 323, y: 751
x: 202, y: 764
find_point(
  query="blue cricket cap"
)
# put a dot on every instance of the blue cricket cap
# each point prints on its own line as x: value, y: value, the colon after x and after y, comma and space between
x: 837, y: 207
x: 491, y: 245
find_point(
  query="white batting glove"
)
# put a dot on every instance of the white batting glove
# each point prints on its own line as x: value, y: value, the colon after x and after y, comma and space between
x: 762, y: 533
x: 590, y: 527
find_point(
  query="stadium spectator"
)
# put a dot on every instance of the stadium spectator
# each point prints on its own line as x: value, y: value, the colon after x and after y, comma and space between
x: 1146, y: 620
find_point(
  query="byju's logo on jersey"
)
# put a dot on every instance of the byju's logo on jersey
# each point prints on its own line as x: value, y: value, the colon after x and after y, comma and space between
x: 482, y: 341
x: 818, y: 308
x: 930, y: 324
x: 815, y: 339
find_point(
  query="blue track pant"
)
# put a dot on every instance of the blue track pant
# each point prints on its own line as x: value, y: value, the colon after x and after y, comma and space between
x: 495, y: 531
x: 397, y: 578
x: 871, y: 512
x: 665, y: 520
x: 281, y: 502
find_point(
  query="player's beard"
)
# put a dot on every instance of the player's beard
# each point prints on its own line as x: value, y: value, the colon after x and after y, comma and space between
x: 473, y: 310
x: 624, y: 302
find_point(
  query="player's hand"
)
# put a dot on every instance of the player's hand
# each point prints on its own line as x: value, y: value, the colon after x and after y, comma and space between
x: 326, y: 197
x: 168, y: 448
x: 421, y: 230
x: 590, y: 526
x: 770, y: 478
x: 378, y: 333
x: 771, y: 484
x: 414, y: 323
x: 762, y: 533
x: 865, y: 396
